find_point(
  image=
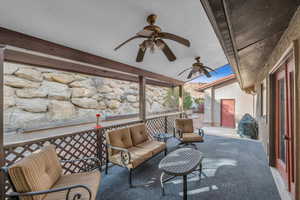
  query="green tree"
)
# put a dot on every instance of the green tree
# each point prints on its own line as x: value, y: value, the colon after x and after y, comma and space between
x: 199, y: 101
x: 172, y: 99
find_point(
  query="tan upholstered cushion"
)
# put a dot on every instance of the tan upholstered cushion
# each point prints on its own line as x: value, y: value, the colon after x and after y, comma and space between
x: 89, y: 179
x: 138, y: 134
x: 191, y: 137
x: 38, y: 171
x: 119, y: 138
x: 186, y: 125
x: 153, y: 146
x: 138, y: 156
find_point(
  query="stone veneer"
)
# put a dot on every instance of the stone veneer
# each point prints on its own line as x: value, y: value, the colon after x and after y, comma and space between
x: 38, y: 97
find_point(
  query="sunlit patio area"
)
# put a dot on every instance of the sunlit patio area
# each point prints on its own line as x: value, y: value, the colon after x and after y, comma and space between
x: 233, y: 169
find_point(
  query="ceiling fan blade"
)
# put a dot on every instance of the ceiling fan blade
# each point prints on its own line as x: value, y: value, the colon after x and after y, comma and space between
x: 190, y: 74
x: 140, y: 55
x: 175, y: 38
x: 132, y: 38
x: 210, y: 69
x: 207, y: 74
x: 184, y: 71
x: 167, y: 51
x: 145, y: 33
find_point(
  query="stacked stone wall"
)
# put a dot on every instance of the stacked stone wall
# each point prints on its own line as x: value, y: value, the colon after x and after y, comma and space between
x: 37, y: 97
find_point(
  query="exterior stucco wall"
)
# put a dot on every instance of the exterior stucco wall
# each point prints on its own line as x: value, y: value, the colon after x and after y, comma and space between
x: 262, y: 120
x: 290, y: 36
x: 229, y: 90
x: 208, y: 95
x: 243, y: 102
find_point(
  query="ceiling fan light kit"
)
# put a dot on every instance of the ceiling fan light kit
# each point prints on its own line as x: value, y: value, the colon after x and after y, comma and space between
x: 198, y: 68
x: 154, y: 36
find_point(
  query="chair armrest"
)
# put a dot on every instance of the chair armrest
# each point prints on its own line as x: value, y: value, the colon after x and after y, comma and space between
x: 201, y: 132
x: 88, y: 166
x: 117, y: 148
x: 125, y: 154
x: 66, y: 188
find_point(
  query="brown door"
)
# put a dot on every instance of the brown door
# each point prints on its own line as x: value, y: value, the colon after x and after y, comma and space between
x: 290, y: 133
x: 284, y: 105
x: 228, y: 113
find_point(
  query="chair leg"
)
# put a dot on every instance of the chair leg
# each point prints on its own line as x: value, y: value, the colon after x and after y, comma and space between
x: 166, y: 151
x: 130, y: 178
x: 194, y: 145
x: 200, y: 169
x: 162, y: 184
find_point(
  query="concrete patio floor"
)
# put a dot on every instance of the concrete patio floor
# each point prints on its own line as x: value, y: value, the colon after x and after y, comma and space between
x: 235, y: 169
x: 221, y: 131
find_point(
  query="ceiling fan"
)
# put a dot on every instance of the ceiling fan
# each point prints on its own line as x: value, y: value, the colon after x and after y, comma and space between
x: 198, y: 67
x: 154, y: 38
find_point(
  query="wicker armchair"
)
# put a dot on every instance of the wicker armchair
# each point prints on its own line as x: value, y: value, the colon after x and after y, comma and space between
x: 130, y: 147
x: 184, y: 132
x: 39, y: 176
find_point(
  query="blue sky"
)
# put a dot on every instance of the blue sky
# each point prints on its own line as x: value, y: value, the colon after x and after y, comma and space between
x: 221, y: 72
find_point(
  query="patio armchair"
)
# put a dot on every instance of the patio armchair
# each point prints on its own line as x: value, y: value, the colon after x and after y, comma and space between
x: 184, y: 132
x: 39, y: 177
x: 130, y: 147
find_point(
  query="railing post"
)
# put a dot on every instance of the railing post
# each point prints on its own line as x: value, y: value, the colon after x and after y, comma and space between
x: 180, y: 100
x: 2, y: 156
x: 142, y: 98
x: 166, y: 124
x: 100, y: 141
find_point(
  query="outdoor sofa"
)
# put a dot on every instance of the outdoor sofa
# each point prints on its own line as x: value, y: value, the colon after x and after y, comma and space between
x: 130, y: 147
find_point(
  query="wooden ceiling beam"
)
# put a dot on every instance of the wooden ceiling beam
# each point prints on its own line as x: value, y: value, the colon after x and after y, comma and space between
x: 46, y: 62
x: 20, y: 40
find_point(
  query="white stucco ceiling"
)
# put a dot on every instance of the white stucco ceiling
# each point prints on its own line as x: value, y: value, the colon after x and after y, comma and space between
x: 97, y: 26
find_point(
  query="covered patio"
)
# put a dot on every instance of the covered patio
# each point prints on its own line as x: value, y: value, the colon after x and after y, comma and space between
x: 234, y: 169
x: 79, y: 38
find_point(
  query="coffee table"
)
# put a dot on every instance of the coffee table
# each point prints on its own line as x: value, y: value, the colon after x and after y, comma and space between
x: 181, y: 162
x: 162, y: 137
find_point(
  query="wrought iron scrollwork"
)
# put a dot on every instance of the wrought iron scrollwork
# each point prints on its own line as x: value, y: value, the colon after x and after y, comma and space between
x: 125, y: 157
x: 76, y: 196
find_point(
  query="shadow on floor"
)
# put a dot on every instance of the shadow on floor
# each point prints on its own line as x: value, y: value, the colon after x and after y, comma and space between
x: 235, y: 170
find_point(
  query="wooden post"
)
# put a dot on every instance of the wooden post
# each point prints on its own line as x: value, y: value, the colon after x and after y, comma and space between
x: 180, y: 100
x: 142, y: 98
x: 2, y: 156
x: 166, y: 124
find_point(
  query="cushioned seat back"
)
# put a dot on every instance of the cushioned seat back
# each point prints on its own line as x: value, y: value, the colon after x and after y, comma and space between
x: 119, y: 138
x: 139, y: 134
x: 186, y: 125
x: 38, y: 171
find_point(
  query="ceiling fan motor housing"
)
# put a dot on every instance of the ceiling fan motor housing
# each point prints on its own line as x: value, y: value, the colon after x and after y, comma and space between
x: 151, y: 19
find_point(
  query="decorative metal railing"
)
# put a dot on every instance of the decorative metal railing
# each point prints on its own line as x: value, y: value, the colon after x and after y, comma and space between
x: 88, y: 143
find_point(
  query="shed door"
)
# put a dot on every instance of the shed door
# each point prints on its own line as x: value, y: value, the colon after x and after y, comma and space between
x: 228, y: 113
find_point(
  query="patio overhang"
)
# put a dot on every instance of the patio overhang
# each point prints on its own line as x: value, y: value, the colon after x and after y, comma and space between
x: 91, y: 38
x: 248, y: 32
x: 26, y: 49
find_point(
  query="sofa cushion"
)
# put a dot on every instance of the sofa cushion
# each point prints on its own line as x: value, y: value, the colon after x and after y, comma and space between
x: 119, y: 138
x: 138, y: 134
x: 186, y: 125
x: 138, y: 156
x: 154, y: 146
x: 191, y: 137
x: 90, y: 179
x: 38, y: 171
